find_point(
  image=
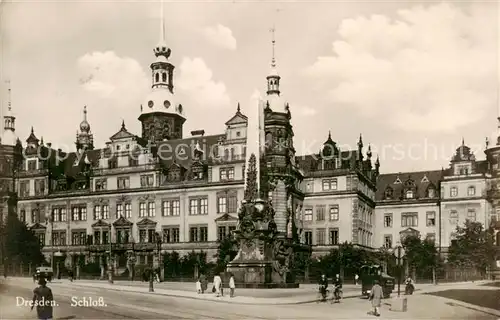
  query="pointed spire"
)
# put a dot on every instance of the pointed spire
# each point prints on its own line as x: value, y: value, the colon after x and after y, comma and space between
x: 32, y: 131
x: 463, y: 141
x: 162, y: 24
x: 123, y: 124
x: 273, y: 42
x: 329, y: 134
x: 369, y: 152
x: 41, y: 140
x: 84, y: 113
x: 360, y: 141
x: 238, y: 109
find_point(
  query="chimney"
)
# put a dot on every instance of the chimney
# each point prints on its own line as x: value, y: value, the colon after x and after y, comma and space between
x: 198, y: 133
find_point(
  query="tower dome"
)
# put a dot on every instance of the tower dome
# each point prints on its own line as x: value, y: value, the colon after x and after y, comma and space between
x: 84, y: 125
x: 9, y: 131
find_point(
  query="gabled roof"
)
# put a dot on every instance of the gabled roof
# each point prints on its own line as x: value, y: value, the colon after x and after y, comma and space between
x: 122, y: 222
x: 226, y: 217
x: 38, y: 226
x: 409, y: 231
x: 391, y: 180
x: 100, y: 223
x: 238, y: 118
x: 146, y: 222
x: 122, y: 134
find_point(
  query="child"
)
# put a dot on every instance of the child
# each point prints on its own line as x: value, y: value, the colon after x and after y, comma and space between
x: 198, y: 286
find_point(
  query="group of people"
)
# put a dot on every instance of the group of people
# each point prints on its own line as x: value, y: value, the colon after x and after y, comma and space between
x: 218, y: 285
x: 323, y: 287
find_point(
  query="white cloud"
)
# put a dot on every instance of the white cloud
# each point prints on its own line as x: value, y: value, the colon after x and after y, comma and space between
x: 112, y: 77
x: 434, y: 69
x: 195, y: 81
x: 303, y: 111
x: 221, y: 36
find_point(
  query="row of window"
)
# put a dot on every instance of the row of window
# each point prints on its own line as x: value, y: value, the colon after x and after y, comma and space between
x: 471, y: 191
x: 226, y: 203
x: 321, y: 237
x: 388, y: 240
x: 411, y: 219
x: 147, y: 180
x: 24, y: 188
x: 333, y: 213
x: 171, y: 234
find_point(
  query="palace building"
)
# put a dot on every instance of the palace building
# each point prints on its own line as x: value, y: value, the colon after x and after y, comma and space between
x: 185, y: 191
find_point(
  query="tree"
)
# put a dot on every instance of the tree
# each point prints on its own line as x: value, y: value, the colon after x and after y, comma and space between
x: 473, y: 247
x: 421, y: 255
x: 226, y: 252
x: 22, y: 245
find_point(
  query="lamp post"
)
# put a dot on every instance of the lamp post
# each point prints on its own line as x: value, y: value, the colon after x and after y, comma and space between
x: 110, y: 262
x: 399, y: 251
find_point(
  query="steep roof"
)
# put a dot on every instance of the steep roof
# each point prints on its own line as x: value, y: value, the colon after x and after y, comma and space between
x: 311, y: 162
x: 422, y: 180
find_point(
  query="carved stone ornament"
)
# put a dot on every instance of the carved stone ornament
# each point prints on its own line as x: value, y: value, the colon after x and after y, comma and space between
x: 282, y: 256
x: 100, y: 201
x: 123, y: 198
x: 147, y: 197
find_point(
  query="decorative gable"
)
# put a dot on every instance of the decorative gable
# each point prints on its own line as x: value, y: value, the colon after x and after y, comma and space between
x: 425, y: 179
x: 226, y: 218
x: 100, y: 224
x: 398, y: 181
x: 38, y: 226
x: 146, y: 222
x: 122, y: 222
x: 122, y: 134
x: 238, y: 118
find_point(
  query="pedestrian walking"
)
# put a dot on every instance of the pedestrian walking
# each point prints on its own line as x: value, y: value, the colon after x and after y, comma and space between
x: 198, y: 286
x: 217, y: 285
x: 204, y: 283
x: 43, y: 300
x: 232, y: 286
x: 376, y: 298
x: 356, y: 279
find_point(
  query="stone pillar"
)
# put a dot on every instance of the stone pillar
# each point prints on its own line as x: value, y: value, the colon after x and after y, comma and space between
x: 103, y: 270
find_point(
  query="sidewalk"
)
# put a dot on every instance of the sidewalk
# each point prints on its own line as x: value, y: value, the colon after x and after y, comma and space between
x: 302, y: 295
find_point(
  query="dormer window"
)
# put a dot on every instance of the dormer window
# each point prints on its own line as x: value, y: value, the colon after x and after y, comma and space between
x: 431, y: 193
x: 409, y: 194
x: 389, y: 193
x: 112, y: 163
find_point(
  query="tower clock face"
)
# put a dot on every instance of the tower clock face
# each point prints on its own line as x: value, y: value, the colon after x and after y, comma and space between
x: 151, y: 103
x: 166, y: 103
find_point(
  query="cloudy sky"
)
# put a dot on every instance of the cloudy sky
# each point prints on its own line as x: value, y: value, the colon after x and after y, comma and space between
x: 412, y: 77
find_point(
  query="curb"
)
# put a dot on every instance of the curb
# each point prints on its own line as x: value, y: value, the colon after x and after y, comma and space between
x: 121, y: 289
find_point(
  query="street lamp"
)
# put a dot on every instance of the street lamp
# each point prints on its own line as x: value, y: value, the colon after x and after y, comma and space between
x: 399, y: 252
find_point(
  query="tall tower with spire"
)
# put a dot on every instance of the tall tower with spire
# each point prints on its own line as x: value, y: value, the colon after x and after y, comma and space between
x: 9, y: 135
x: 84, y: 138
x: 161, y: 117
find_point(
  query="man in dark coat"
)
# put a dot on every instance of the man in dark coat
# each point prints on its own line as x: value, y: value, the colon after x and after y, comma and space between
x: 204, y: 283
x: 43, y: 300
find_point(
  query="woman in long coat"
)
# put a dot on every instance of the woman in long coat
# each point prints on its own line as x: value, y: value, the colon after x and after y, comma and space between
x: 376, y: 297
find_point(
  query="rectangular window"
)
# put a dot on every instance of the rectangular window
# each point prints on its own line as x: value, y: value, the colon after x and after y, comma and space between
x: 22, y: 216
x: 151, y: 235
x: 471, y: 214
x: 97, y: 213
x: 123, y: 182
x: 221, y: 233
x: 431, y: 218
x: 226, y: 173
x: 320, y: 237
x: 24, y: 187
x: 171, y: 234
x: 222, y: 204
x: 203, y: 234
x: 143, y: 236
x: 388, y: 241
x: 471, y: 191
x: 79, y: 213
x: 308, y: 235
x: 105, y: 211
x: 175, y: 235
x: 329, y: 184
x: 128, y: 210
x: 105, y: 237
x: 334, y: 237
x: 147, y: 180
x: 388, y: 220
x: 232, y: 203
x: 39, y: 187
x: 409, y: 220
x: 334, y: 213
x: 198, y: 206
x: 320, y: 213
x: 101, y: 184
x: 142, y: 209
x: 151, y: 209
x: 453, y: 191
x: 309, y: 187
x: 308, y: 214
x: 31, y: 165
x: 97, y: 237
x: 193, y: 234
x: 119, y: 210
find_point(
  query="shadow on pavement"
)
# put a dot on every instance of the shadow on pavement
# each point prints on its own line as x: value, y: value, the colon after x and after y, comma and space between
x: 482, y: 298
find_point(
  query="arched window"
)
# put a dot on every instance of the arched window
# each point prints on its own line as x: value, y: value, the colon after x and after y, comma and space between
x: 157, y: 77
x: 226, y: 154
x: 471, y: 191
x: 431, y: 193
x: 269, y: 140
x: 164, y: 77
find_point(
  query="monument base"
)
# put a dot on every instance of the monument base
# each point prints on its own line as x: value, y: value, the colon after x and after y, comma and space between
x: 399, y: 304
x: 257, y: 275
